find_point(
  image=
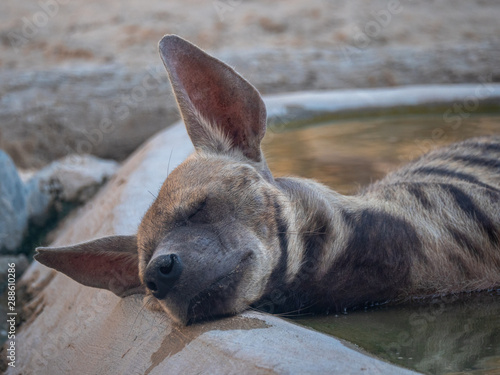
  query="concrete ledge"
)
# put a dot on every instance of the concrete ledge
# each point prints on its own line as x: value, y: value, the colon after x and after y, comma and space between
x: 341, y: 101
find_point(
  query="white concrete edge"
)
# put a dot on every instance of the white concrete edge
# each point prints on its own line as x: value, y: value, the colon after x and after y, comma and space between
x: 382, y: 98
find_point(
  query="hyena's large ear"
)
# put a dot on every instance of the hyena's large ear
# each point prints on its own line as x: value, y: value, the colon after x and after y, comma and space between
x: 221, y: 110
x: 107, y: 263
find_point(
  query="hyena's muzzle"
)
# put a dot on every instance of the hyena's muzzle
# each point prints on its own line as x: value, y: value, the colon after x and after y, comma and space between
x: 194, y: 275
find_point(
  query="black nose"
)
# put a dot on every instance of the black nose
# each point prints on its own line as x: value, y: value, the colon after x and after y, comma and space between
x: 162, y: 273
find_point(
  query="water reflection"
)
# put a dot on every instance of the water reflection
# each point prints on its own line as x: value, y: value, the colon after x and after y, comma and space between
x: 349, y: 154
x: 452, y: 335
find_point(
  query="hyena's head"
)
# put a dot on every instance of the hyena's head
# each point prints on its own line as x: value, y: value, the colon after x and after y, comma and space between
x: 209, y: 242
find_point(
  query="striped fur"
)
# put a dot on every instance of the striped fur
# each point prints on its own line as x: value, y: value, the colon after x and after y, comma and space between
x: 432, y: 227
x: 414, y: 233
x: 224, y: 235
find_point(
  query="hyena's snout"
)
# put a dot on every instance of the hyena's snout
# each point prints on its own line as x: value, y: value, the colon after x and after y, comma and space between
x: 162, y: 273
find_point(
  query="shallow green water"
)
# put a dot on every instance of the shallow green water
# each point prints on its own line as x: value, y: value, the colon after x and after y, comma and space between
x: 459, y: 335
x: 349, y: 154
x: 452, y: 335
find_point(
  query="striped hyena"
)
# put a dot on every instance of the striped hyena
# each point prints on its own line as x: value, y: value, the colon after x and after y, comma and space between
x: 224, y: 235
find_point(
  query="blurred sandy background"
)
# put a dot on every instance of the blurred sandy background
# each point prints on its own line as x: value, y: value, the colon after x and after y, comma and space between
x: 85, y: 76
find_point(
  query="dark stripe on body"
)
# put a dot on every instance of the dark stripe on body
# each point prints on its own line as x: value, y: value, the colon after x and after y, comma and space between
x: 467, y: 205
x: 376, y: 262
x: 416, y: 190
x: 492, y: 144
x: 461, y: 264
x: 273, y: 297
x: 316, y: 236
x: 495, y: 147
x: 277, y: 278
x: 492, y: 147
x: 465, y: 242
x: 452, y: 174
x: 478, y: 161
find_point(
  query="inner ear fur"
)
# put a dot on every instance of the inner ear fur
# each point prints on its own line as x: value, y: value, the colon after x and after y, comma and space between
x: 110, y: 263
x: 220, y: 108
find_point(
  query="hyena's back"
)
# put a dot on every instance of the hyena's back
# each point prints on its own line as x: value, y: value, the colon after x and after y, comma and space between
x: 224, y: 234
x: 451, y: 197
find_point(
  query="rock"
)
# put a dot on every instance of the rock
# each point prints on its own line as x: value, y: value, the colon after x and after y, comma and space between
x: 39, y: 202
x: 73, y: 179
x: 13, y: 213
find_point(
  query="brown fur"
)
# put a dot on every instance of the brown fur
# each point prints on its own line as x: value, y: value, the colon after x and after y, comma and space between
x: 224, y: 235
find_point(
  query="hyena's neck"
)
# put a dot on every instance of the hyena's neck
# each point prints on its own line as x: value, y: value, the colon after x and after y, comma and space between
x: 343, y: 250
x: 315, y: 226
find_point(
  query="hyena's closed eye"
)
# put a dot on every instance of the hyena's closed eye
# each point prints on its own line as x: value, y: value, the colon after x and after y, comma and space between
x: 290, y: 244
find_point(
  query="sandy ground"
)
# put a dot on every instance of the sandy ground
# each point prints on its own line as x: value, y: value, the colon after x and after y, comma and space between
x: 46, y: 33
x: 64, y: 63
